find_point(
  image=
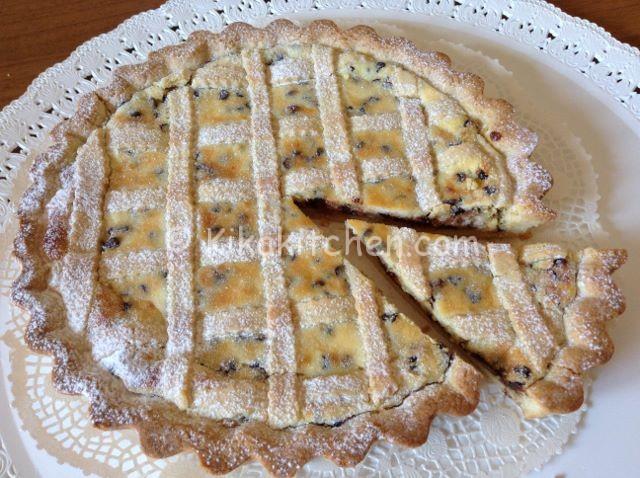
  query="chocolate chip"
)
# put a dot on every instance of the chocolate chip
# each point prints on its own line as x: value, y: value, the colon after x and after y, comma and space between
x: 495, y: 136
x: 346, y: 361
x: 126, y: 306
x: 517, y: 386
x: 522, y: 370
x: 490, y: 190
x: 291, y: 92
x: 291, y: 109
x: 164, y: 274
x: 457, y: 142
x: 482, y: 175
x: 438, y: 283
x: 223, y: 95
x: 318, y: 283
x: 455, y: 206
x: 352, y: 68
x: 461, y: 177
x: 135, y: 114
x: 196, y: 93
x: 385, y: 148
x: 228, y: 367
x: 326, y: 363
x: 327, y: 329
x: 474, y: 296
x: 467, y: 123
x: 258, y: 370
x: 219, y: 276
x: 286, y: 162
x: 359, y: 145
x: 387, y: 84
x: 112, y: 231
x: 111, y: 243
x: 454, y: 280
x: 380, y: 65
x: 560, y: 261
x: 339, y: 270
x: 457, y: 210
x: 389, y: 317
x: 412, y: 359
x: 319, y: 152
x: 144, y: 288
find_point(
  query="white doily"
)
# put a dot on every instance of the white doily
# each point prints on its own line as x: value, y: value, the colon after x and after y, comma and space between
x: 494, y: 439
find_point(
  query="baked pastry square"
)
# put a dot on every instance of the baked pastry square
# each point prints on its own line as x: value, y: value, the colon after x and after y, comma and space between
x: 178, y: 286
x: 535, y: 313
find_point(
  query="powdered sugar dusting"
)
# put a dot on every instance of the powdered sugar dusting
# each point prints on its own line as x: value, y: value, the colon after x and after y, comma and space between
x: 326, y: 310
x: 225, y: 190
x: 224, y: 397
x: 135, y: 199
x: 227, y: 249
x: 341, y: 163
x: 282, y: 357
x: 298, y: 126
x: 77, y: 278
x: 447, y: 253
x: 290, y: 70
x: 381, y: 383
x: 225, y: 133
x: 306, y: 241
x: 530, y: 327
x: 378, y: 122
x: 409, y: 263
x: 216, y: 75
x: 374, y: 169
x: 115, y: 265
x: 417, y: 150
x: 305, y: 181
x: 180, y: 250
x: 233, y: 321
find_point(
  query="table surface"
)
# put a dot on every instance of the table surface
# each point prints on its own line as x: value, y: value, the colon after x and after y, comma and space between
x: 37, y: 34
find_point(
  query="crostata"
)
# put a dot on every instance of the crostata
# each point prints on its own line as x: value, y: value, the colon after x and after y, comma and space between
x: 535, y: 313
x: 169, y: 271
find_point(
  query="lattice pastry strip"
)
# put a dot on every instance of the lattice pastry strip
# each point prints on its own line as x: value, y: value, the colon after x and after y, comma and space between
x: 522, y: 309
x: 76, y: 276
x: 180, y: 250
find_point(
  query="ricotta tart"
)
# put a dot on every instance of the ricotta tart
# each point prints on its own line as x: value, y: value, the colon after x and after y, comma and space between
x: 168, y: 270
x: 535, y: 313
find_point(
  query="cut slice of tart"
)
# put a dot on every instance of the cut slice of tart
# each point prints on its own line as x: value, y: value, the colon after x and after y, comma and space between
x: 535, y: 313
x: 150, y: 242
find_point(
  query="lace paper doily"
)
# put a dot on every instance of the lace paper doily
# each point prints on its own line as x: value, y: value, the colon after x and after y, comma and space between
x: 494, y: 438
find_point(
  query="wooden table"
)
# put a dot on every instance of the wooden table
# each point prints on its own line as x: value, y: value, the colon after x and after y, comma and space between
x: 36, y: 34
